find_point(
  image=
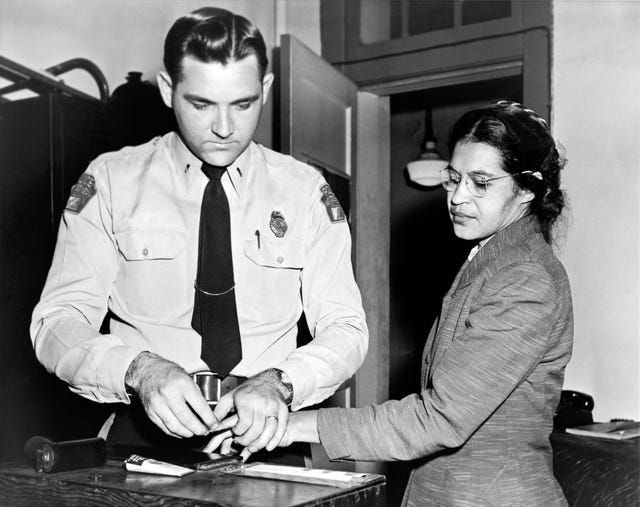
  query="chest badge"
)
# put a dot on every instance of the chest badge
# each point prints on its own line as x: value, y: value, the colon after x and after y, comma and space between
x: 278, y: 224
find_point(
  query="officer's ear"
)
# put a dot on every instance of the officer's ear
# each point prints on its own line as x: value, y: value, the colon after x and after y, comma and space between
x: 267, y: 81
x: 165, y: 86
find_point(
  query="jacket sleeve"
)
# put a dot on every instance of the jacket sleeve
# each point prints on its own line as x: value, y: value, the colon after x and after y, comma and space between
x: 501, y: 342
x: 65, y: 323
x: 332, y: 306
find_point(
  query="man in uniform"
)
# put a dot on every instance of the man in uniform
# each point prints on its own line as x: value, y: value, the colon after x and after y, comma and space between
x: 140, y: 237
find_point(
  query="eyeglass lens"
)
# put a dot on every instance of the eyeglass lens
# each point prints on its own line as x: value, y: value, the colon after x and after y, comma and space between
x: 451, y: 179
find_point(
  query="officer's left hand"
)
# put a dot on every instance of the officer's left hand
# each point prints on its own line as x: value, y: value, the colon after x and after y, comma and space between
x: 261, y: 415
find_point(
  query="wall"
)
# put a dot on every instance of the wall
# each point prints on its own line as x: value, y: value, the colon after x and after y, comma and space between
x: 596, y: 116
x: 124, y: 35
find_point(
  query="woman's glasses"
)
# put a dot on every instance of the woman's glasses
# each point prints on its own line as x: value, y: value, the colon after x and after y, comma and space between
x: 476, y: 183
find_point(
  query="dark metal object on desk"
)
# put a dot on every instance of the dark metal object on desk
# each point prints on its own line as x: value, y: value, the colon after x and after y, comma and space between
x: 48, y: 456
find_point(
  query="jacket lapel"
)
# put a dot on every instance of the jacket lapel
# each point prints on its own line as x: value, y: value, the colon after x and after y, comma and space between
x: 450, y: 314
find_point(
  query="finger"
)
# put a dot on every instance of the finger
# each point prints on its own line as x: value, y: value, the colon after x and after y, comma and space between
x: 245, y: 419
x: 226, y: 448
x: 201, y: 408
x: 254, y: 431
x: 223, y: 407
x: 244, y: 455
x: 270, y: 426
x: 173, y: 427
x: 186, y: 418
x: 215, y: 441
x: 283, y: 418
x: 228, y: 423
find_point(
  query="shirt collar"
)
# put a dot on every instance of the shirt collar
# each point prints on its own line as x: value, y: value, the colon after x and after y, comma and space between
x: 186, y: 162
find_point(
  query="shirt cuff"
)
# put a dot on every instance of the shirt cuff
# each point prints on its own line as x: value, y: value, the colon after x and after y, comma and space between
x: 112, y: 370
x: 303, y: 383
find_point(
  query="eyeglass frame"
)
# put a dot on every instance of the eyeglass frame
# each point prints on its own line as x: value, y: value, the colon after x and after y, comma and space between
x: 444, y: 180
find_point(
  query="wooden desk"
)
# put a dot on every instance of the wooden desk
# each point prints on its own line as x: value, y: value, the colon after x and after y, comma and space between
x: 112, y: 485
x: 597, y: 471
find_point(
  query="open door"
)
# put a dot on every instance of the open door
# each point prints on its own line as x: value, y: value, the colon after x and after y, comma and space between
x: 318, y: 105
x: 326, y: 122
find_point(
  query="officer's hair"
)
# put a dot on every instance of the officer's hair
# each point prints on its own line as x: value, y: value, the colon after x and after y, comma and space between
x: 210, y: 34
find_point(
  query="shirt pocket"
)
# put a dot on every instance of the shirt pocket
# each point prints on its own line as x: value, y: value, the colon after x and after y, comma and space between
x: 271, y: 288
x: 152, y: 281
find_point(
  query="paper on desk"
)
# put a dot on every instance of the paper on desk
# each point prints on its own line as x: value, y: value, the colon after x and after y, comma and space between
x: 301, y: 474
x: 136, y: 463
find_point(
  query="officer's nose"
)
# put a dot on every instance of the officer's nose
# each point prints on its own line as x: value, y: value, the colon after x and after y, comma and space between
x: 222, y: 124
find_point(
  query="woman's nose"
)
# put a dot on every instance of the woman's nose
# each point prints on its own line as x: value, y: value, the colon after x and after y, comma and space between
x: 461, y: 193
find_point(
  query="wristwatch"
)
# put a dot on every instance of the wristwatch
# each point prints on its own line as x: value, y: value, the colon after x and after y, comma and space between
x: 285, y: 383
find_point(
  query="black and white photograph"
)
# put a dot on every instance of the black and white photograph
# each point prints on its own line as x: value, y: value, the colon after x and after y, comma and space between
x: 320, y: 252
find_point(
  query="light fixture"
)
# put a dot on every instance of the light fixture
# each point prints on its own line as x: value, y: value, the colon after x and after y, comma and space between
x: 426, y: 169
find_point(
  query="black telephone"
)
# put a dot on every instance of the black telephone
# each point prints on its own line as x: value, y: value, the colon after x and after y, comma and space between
x: 575, y: 409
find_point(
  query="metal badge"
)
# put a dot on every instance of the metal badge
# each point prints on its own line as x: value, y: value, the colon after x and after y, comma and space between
x: 278, y: 224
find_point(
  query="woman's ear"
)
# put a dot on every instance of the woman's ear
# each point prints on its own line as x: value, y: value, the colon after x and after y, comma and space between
x: 526, y: 195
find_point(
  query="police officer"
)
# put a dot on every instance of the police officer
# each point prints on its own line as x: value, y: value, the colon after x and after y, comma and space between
x: 130, y: 240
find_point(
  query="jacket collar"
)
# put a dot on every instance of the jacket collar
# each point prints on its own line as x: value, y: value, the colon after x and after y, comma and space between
x: 515, y: 233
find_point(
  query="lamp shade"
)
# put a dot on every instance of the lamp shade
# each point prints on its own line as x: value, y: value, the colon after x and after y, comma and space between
x: 426, y: 170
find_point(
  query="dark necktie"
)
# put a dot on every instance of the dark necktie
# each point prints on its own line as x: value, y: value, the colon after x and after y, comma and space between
x: 214, y: 312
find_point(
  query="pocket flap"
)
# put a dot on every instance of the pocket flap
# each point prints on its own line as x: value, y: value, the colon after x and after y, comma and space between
x: 145, y: 244
x: 275, y: 252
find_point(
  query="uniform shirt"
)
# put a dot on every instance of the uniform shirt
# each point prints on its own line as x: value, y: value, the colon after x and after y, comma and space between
x: 128, y: 242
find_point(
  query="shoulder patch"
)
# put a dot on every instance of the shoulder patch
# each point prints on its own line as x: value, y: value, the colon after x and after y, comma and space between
x: 81, y: 193
x: 330, y: 201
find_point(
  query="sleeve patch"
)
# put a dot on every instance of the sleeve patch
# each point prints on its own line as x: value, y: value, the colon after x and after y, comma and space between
x: 330, y: 201
x: 81, y: 193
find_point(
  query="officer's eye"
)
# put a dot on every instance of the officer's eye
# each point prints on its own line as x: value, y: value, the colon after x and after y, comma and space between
x: 243, y: 106
x: 199, y: 106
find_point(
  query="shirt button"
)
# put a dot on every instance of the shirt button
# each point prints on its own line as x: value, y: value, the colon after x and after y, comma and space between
x: 280, y: 259
x: 145, y: 252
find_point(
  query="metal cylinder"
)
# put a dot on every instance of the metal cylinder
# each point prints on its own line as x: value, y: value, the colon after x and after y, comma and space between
x: 47, y: 456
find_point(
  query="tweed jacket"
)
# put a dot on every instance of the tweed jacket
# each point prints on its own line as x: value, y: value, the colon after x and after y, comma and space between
x: 492, y: 375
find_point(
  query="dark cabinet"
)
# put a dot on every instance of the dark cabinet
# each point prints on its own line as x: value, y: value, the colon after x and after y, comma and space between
x: 46, y: 142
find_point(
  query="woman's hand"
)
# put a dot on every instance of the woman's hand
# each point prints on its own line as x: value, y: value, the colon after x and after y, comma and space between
x: 301, y: 427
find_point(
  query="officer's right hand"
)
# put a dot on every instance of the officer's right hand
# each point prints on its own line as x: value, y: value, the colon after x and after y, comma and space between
x: 169, y: 396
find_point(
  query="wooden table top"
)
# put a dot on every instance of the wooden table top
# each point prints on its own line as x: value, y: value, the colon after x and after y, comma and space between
x: 111, y: 484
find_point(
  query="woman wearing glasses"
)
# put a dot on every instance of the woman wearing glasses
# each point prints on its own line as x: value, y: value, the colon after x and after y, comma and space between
x: 494, y: 360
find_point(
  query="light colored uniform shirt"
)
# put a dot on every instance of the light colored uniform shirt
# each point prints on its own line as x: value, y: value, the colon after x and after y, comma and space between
x: 131, y: 246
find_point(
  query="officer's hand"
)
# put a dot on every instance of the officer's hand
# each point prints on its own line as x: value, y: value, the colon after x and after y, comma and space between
x: 261, y: 411
x: 169, y: 396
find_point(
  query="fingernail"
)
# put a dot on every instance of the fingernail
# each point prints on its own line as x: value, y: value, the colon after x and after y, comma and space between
x: 252, y: 449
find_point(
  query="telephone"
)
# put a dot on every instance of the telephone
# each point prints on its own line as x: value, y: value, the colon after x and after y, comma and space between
x: 575, y: 409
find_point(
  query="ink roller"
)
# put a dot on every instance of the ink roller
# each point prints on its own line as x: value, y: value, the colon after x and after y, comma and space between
x: 48, y: 456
